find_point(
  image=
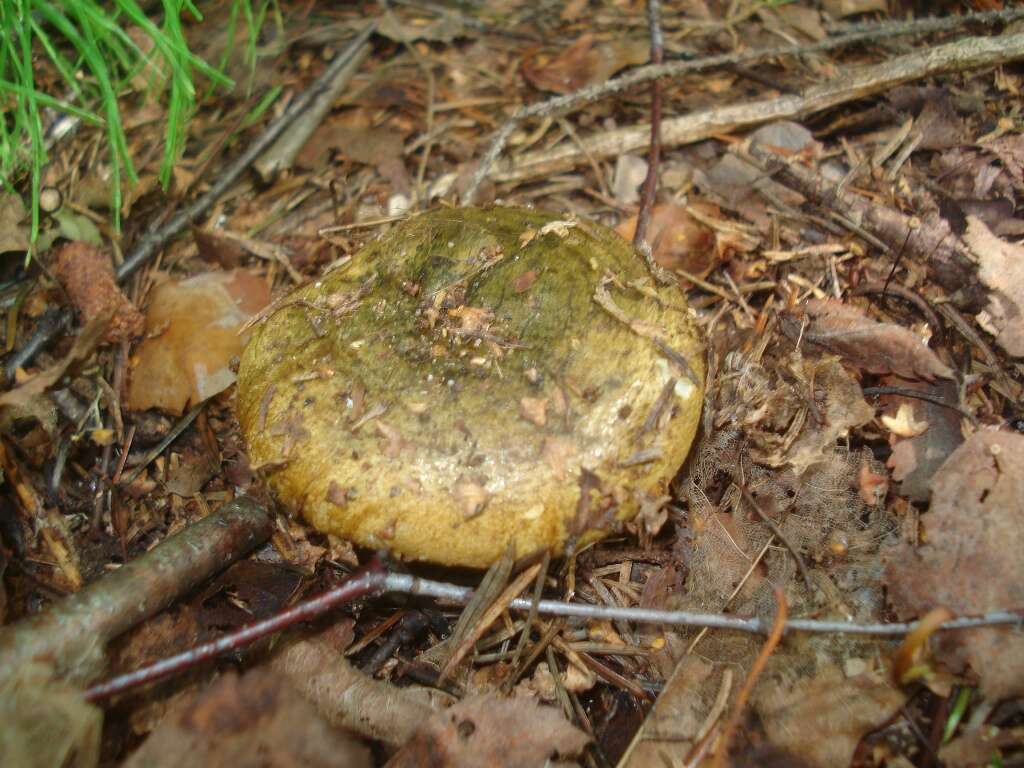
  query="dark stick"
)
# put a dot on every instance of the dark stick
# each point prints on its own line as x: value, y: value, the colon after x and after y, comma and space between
x: 50, y: 324
x: 917, y: 395
x: 643, y: 219
x: 780, y: 536
x: 560, y: 104
x: 365, y: 584
x: 71, y: 633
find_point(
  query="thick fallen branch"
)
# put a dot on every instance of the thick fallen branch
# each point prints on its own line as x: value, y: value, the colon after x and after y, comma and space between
x: 969, y: 53
x: 72, y: 634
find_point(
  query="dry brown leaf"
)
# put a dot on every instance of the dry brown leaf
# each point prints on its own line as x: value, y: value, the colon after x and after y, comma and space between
x: 674, y: 724
x: 493, y: 732
x: 534, y: 410
x: 584, y: 63
x: 980, y: 745
x: 442, y: 29
x: 347, y: 698
x: 970, y: 560
x: 822, y: 719
x: 218, y: 250
x: 352, y: 136
x: 862, y: 342
x: 842, y: 8
x: 678, y: 240
x: 88, y: 276
x: 192, y: 335
x: 842, y: 409
x: 46, y: 722
x: 256, y: 720
x: 1001, y: 268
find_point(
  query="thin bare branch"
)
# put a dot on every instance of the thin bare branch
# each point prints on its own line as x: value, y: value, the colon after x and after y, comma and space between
x: 375, y: 582
x: 561, y: 104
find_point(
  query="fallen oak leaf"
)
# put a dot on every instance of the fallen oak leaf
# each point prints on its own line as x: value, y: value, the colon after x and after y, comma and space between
x: 862, y: 342
x: 823, y: 718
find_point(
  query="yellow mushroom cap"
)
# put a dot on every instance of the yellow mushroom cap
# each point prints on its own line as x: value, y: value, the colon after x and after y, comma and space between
x: 474, y: 378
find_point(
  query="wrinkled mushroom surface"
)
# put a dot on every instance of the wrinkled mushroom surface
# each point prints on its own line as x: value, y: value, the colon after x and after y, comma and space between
x: 474, y: 377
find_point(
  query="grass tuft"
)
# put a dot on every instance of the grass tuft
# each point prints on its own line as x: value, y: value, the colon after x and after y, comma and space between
x: 96, y: 59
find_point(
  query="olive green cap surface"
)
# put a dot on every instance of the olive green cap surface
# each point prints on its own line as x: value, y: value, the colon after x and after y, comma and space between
x: 474, y: 378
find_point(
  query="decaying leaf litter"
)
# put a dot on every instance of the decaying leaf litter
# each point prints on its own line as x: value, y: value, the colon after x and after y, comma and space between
x: 842, y: 219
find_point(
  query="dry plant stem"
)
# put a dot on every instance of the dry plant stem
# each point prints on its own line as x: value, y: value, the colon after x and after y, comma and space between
x: 866, y: 81
x: 160, y: 447
x: 375, y: 581
x: 778, y: 625
x: 52, y: 322
x: 561, y: 104
x: 749, y: 497
x: 538, y: 590
x: 353, y: 589
x: 650, y: 188
x: 488, y: 617
x: 70, y: 633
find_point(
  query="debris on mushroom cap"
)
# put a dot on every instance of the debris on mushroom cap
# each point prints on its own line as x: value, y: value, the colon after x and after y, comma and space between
x: 475, y: 377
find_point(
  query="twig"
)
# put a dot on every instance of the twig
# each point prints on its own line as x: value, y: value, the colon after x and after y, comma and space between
x: 778, y: 625
x: 353, y: 589
x: 160, y: 447
x: 281, y: 154
x: 487, y: 618
x: 697, y: 126
x: 538, y: 590
x: 947, y: 257
x: 749, y: 497
x: 155, y: 239
x: 71, y: 633
x: 349, y: 699
x: 376, y: 581
x: 918, y: 395
x: 880, y: 287
x: 52, y: 322
x: 650, y: 188
x: 650, y: 72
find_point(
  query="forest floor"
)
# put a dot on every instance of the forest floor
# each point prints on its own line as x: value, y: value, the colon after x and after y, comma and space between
x: 837, y: 191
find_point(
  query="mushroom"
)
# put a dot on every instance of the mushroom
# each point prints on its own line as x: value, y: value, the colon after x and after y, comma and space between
x: 475, y: 378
